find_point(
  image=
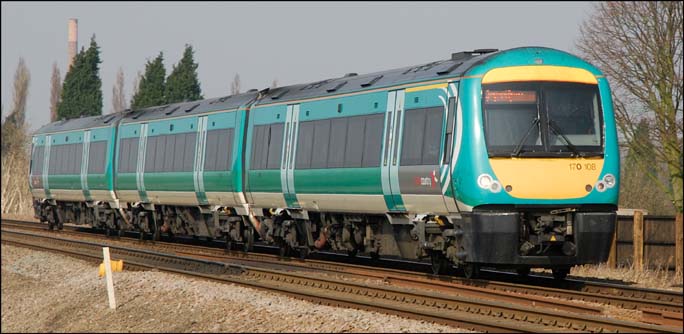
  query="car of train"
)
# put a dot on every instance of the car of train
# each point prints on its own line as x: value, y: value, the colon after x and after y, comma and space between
x: 489, y: 158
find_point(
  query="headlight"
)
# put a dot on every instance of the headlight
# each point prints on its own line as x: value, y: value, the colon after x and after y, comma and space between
x: 609, y: 180
x: 484, y: 181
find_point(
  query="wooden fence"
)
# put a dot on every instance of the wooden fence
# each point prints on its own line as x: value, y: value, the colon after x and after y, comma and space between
x: 647, y: 242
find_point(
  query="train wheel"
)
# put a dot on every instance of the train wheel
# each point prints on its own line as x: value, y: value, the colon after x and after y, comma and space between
x: 120, y: 233
x: 284, y: 249
x: 303, y: 253
x: 229, y: 243
x: 560, y: 273
x: 249, y: 240
x: 374, y: 256
x: 352, y: 253
x: 523, y: 271
x: 471, y: 270
x: 440, y: 264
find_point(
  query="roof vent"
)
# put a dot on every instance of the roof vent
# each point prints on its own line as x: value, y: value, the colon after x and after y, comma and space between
x: 172, y: 110
x: 109, y: 118
x: 352, y: 74
x: 330, y: 90
x: 372, y: 81
x: 252, y: 90
x: 192, y: 107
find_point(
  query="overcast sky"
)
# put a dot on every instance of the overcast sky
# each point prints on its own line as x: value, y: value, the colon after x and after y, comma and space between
x: 291, y: 42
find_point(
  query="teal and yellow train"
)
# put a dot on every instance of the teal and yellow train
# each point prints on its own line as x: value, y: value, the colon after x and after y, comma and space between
x: 489, y: 158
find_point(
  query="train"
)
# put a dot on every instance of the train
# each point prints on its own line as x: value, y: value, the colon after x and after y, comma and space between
x: 489, y: 158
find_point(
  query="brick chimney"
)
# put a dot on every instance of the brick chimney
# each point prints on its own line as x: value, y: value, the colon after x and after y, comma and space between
x: 73, y: 41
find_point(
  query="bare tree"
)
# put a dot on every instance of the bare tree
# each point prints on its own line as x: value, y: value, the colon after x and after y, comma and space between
x: 16, y: 197
x: 55, y: 91
x: 235, y: 85
x: 274, y: 84
x: 13, y: 125
x: 118, y: 94
x: 638, y: 45
x: 22, y: 77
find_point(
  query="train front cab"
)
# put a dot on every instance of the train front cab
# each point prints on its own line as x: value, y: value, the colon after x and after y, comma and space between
x: 546, y: 166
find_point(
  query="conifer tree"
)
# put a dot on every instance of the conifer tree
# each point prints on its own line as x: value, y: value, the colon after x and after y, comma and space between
x: 182, y: 84
x: 151, y: 86
x: 82, y: 89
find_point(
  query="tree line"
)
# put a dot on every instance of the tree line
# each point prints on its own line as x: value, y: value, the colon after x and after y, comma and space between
x: 81, y: 92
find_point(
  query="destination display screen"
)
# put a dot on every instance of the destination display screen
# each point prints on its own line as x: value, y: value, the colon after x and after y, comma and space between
x: 510, y: 96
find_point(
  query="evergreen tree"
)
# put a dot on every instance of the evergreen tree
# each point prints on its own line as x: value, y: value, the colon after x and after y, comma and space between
x: 182, y: 84
x: 151, y: 86
x: 82, y: 89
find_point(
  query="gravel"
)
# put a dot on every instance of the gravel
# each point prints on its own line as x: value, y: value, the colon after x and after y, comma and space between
x: 44, y: 292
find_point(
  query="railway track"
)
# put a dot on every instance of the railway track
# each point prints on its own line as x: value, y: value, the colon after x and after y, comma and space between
x: 621, y: 296
x: 473, y: 309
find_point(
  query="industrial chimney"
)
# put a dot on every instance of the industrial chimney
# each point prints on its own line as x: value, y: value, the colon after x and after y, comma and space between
x: 73, y: 41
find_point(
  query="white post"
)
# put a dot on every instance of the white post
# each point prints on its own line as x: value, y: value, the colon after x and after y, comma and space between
x: 108, y: 275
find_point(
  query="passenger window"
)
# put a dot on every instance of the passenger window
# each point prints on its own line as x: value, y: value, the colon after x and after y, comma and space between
x: 338, y: 140
x: 304, y: 145
x: 189, y: 151
x: 412, y: 141
x: 354, y: 148
x: 178, y: 152
x: 169, y: 153
x: 218, y: 151
x: 151, y: 150
x: 259, y: 151
x: 373, y: 141
x: 96, y: 158
x: 433, y: 133
x: 319, y: 155
x: 421, y: 136
x: 450, y: 128
x: 275, y: 146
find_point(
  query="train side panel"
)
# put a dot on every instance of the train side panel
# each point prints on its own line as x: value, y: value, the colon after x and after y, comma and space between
x: 337, y: 154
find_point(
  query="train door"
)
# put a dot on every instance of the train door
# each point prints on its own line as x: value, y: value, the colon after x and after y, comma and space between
x: 46, y: 166
x: 390, y: 151
x: 452, y: 143
x: 198, y: 168
x: 421, y: 146
x: 289, y: 152
x: 84, y: 165
x: 140, y: 167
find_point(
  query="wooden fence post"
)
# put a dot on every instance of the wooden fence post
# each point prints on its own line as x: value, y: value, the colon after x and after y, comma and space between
x: 612, y: 256
x: 678, y: 243
x: 638, y: 240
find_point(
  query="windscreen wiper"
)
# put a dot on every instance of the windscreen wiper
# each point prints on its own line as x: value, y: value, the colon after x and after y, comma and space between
x: 518, y: 148
x: 554, y: 128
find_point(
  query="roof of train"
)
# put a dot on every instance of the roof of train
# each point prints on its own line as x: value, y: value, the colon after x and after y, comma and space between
x: 457, y: 65
x: 80, y: 123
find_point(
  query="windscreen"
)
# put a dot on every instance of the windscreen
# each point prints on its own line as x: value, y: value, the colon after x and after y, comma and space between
x: 542, y: 119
